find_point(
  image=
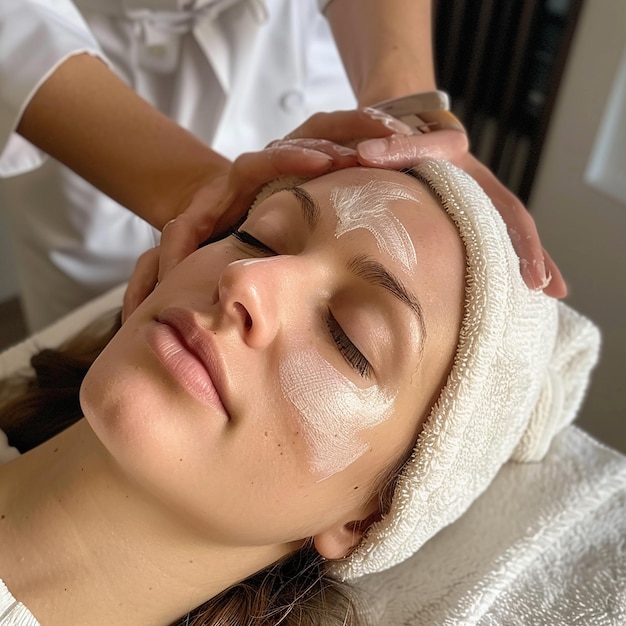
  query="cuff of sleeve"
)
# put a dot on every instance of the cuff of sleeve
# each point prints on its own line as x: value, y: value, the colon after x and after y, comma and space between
x: 35, y: 40
x: 415, y: 103
x: 322, y: 4
x: 424, y: 112
x: 18, y: 155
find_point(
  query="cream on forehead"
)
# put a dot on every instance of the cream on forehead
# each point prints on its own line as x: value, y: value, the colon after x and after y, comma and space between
x: 367, y: 206
x: 333, y: 409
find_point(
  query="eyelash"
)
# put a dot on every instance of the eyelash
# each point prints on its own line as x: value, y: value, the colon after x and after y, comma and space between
x: 347, y: 349
x: 248, y: 240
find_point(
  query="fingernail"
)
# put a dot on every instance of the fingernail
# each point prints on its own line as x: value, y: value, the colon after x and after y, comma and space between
x: 373, y: 148
x: 392, y: 123
x: 527, y: 275
x: 319, y: 158
x: 343, y: 150
x: 546, y: 281
x: 542, y: 280
x: 167, y: 225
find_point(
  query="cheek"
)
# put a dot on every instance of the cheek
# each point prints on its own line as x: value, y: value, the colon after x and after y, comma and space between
x: 334, y: 412
x: 143, y: 419
x: 201, y: 270
x: 124, y: 400
x: 164, y: 449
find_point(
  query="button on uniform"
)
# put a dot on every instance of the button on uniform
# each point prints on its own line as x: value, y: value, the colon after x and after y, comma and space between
x: 292, y: 101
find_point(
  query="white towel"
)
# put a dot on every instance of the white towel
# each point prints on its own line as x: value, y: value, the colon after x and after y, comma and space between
x: 545, y: 545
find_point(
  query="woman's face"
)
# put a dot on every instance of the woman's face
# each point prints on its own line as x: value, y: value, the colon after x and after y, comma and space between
x: 273, y: 376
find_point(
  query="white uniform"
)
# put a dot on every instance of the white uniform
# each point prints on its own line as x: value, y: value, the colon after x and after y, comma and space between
x: 237, y: 73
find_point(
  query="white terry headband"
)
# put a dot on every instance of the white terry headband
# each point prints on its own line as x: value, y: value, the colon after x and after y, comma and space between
x: 519, y: 376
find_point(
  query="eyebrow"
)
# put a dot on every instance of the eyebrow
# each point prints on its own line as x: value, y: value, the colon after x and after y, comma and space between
x: 364, y: 266
x: 375, y: 273
x: 308, y: 204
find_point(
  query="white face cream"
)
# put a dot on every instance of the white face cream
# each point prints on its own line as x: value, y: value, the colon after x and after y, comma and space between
x: 366, y: 206
x: 334, y: 410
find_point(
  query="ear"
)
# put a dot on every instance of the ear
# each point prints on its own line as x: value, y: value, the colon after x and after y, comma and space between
x: 339, y: 540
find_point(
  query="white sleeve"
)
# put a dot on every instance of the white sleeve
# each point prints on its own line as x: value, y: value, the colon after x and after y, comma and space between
x: 322, y: 4
x: 36, y: 36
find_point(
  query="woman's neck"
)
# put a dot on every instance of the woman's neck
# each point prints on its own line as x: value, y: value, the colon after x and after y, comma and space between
x: 82, y: 543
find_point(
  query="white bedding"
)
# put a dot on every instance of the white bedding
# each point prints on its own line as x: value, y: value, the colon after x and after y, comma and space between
x: 544, y: 545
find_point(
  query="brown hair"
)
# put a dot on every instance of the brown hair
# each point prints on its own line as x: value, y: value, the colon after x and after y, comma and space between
x: 295, y: 591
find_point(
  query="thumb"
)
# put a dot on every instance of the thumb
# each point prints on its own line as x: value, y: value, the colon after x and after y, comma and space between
x: 397, y: 151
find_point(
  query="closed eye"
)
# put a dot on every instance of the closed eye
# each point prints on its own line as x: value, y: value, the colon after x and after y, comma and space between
x: 348, y: 350
x: 352, y: 355
x: 252, y: 242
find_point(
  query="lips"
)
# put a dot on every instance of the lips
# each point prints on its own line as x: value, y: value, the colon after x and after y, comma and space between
x: 188, y: 352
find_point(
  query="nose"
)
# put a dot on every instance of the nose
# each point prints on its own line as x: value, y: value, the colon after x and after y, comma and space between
x: 249, y: 292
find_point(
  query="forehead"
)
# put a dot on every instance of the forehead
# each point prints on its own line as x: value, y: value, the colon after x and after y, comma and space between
x: 438, y: 274
x: 366, y: 198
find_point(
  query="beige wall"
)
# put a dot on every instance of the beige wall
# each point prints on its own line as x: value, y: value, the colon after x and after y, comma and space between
x: 583, y: 228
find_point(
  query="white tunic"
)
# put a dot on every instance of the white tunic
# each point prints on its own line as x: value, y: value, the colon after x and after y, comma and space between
x: 237, y: 73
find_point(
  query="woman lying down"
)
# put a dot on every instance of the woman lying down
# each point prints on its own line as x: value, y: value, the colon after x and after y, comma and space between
x: 299, y: 404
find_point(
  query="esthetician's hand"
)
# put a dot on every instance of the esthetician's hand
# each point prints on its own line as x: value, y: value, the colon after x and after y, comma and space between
x: 403, y: 148
x: 399, y: 150
x: 220, y: 204
x: 223, y: 200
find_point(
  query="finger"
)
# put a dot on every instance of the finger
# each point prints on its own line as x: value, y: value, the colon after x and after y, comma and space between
x: 397, y: 151
x: 520, y: 225
x: 342, y: 156
x: 184, y: 234
x: 537, y: 267
x: 286, y: 157
x: 556, y: 287
x: 519, y: 222
x: 141, y: 283
x: 346, y: 126
x: 180, y: 238
x: 252, y: 170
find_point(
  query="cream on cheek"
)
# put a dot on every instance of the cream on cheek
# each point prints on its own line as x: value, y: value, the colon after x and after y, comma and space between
x: 366, y: 206
x: 334, y: 411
